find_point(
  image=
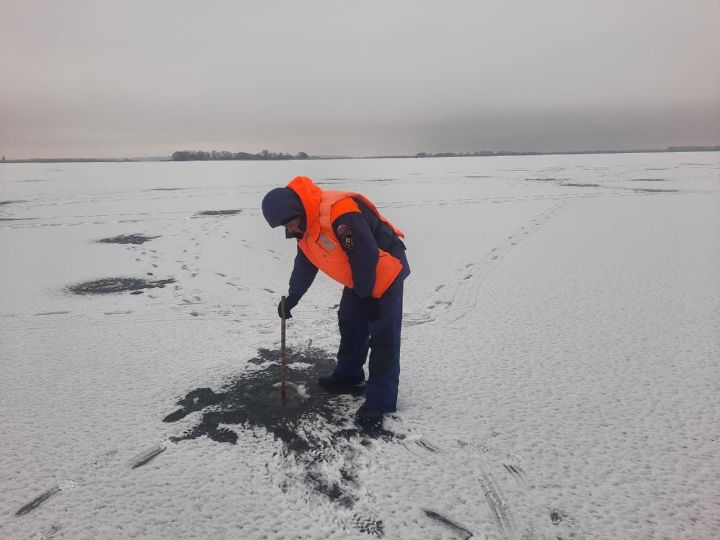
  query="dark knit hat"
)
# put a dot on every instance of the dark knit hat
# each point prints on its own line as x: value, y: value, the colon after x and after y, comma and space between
x: 281, y: 205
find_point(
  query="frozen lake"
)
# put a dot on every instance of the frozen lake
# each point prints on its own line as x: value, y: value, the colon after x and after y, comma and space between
x: 560, y: 362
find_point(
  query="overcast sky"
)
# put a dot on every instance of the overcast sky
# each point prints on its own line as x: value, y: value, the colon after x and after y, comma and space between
x: 98, y: 78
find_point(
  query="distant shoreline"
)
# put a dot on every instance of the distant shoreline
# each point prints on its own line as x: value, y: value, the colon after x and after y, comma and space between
x: 422, y: 155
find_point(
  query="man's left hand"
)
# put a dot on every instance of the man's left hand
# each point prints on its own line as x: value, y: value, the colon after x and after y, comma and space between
x: 290, y: 302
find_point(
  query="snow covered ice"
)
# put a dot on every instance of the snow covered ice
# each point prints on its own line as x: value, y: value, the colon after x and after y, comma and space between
x: 560, y: 373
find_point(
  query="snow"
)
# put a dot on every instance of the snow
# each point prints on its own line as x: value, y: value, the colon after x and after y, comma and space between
x: 560, y: 373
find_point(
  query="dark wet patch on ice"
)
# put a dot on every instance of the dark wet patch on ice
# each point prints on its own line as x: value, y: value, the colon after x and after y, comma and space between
x: 435, y: 516
x: 127, y: 239
x: 166, y: 189
x: 331, y: 181
x: 541, y: 179
x: 253, y: 399
x: 219, y: 212
x: 32, y: 180
x: 651, y: 190
x: 316, y: 428
x: 118, y: 284
x: 4, y: 203
x: 52, y: 313
x: 18, y: 219
x: 648, y: 180
x: 37, y: 501
x: 578, y: 184
x: 196, y: 400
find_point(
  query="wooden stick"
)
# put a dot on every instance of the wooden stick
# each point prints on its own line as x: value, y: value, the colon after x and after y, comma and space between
x: 282, y: 349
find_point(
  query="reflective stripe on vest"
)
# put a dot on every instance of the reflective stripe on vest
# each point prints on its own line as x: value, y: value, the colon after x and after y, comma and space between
x: 320, y: 245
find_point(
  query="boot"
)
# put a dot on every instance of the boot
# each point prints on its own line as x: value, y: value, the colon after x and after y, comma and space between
x: 369, y: 418
x: 338, y: 384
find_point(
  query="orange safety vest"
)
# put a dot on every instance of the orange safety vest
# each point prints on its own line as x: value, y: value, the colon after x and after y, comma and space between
x: 321, y: 246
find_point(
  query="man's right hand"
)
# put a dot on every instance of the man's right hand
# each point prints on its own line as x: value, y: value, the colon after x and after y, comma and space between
x: 290, y: 302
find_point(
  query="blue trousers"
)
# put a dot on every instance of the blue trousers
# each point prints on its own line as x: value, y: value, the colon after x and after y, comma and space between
x: 375, y: 328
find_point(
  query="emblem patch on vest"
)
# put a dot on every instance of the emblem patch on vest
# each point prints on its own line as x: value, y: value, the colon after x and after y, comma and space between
x: 346, y: 237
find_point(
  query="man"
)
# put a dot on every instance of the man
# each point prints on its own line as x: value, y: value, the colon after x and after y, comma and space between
x: 344, y: 235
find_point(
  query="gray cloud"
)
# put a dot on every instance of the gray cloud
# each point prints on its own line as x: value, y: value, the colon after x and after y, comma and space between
x: 139, y: 78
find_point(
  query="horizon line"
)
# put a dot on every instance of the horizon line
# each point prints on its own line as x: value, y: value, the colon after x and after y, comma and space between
x: 419, y: 155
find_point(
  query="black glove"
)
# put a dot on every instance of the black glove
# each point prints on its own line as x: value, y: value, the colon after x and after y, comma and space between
x: 290, y: 302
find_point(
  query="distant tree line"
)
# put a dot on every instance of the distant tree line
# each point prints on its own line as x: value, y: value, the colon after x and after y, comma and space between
x: 200, y: 155
x: 530, y: 153
x: 693, y: 148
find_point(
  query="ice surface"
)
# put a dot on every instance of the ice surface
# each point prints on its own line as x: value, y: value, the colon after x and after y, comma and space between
x: 560, y: 373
